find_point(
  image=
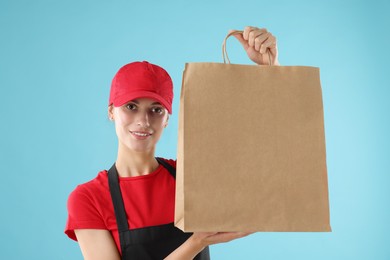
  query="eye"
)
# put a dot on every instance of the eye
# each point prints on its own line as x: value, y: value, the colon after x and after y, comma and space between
x: 158, y: 110
x: 131, y: 106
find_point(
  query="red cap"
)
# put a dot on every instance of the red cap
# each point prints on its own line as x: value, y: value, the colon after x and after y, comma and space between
x: 141, y: 79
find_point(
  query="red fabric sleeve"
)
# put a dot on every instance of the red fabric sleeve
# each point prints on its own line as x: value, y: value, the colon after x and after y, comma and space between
x: 82, y: 213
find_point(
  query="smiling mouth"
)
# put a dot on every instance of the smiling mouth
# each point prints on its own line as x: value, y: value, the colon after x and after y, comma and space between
x: 142, y: 134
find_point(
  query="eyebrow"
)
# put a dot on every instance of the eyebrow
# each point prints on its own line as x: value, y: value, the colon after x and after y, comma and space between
x: 136, y: 101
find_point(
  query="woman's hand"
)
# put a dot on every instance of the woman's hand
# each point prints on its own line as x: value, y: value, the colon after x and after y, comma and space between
x: 256, y: 42
x: 199, y: 240
x: 209, y: 238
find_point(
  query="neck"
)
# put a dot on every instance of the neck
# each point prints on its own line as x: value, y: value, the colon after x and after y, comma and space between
x: 132, y: 163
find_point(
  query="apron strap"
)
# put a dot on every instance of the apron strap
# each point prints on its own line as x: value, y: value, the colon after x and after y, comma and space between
x: 117, y: 200
x: 167, y: 166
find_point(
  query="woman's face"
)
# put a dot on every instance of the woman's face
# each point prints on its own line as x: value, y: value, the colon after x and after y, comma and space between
x: 139, y: 123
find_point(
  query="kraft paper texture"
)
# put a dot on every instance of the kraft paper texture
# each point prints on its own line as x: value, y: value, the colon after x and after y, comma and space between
x: 251, y: 149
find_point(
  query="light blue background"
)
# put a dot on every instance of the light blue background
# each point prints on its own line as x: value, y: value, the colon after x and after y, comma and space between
x: 57, y: 59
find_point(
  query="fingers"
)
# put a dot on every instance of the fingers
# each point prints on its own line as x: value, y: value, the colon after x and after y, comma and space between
x: 259, y: 39
x: 268, y: 43
x: 223, y: 237
x: 256, y: 34
x: 257, y: 42
x: 241, y: 39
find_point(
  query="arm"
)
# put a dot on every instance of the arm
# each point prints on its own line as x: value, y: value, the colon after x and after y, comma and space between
x: 198, y: 241
x: 97, y: 244
x: 256, y: 42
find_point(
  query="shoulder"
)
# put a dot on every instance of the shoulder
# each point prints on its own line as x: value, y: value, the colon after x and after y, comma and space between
x: 88, y: 190
x: 87, y: 205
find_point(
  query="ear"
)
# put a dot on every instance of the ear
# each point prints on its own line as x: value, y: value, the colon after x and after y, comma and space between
x: 111, y: 112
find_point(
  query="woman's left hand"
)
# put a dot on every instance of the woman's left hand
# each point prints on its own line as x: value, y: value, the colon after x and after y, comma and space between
x: 257, y: 43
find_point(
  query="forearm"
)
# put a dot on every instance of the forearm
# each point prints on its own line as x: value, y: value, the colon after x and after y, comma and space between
x: 188, y: 250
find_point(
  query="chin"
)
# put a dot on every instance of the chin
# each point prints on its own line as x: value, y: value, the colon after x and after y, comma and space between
x: 140, y: 148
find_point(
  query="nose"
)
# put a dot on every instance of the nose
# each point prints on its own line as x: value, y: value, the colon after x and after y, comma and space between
x: 143, y: 119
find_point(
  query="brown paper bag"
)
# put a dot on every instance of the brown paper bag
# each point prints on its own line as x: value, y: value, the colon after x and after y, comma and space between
x: 251, y: 149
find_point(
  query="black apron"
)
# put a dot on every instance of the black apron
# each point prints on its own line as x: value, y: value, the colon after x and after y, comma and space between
x: 149, y: 243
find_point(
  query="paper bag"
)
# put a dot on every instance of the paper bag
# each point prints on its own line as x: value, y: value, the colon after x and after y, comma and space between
x: 251, y: 149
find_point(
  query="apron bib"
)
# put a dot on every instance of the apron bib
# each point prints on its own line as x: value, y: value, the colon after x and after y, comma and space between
x: 149, y: 243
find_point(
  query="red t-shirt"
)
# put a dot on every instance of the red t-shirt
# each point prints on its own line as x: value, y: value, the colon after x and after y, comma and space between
x: 149, y: 200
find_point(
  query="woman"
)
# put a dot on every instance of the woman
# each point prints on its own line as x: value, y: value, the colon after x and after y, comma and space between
x: 127, y: 212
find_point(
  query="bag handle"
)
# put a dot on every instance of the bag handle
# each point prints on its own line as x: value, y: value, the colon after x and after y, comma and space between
x: 225, y: 54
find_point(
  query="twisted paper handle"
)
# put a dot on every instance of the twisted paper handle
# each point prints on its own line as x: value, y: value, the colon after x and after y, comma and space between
x: 224, y: 52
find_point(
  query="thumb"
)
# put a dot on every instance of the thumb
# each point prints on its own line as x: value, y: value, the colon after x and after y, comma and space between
x: 241, y: 39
